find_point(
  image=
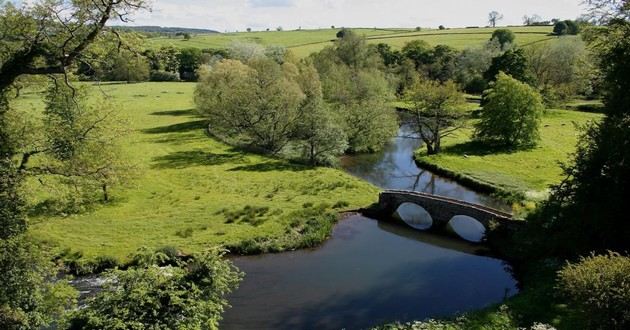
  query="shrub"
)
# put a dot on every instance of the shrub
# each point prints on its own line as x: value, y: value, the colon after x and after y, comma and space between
x: 503, y: 36
x: 511, y: 113
x: 600, y: 287
x: 164, y: 76
x: 190, y: 296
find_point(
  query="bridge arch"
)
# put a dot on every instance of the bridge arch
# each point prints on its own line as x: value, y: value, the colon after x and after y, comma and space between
x: 414, y: 215
x: 467, y: 227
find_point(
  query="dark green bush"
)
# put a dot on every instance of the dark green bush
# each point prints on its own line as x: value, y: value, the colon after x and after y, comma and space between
x: 164, y: 76
x: 600, y: 287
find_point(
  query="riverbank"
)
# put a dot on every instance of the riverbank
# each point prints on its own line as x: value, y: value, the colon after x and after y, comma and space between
x: 194, y: 192
x: 512, y: 175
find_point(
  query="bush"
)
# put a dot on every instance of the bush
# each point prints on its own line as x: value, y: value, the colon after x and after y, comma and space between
x: 511, y: 113
x: 189, y: 296
x: 164, y: 76
x: 476, y: 85
x: 600, y: 287
x: 503, y: 36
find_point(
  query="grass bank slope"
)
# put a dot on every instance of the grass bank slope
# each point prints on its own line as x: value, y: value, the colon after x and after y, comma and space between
x: 529, y: 172
x: 305, y: 42
x: 192, y: 188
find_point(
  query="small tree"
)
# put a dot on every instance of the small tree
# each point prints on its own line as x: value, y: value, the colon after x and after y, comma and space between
x: 321, y: 137
x: 249, y: 29
x: 511, y: 115
x: 513, y: 62
x: 504, y: 37
x: 442, y: 27
x: 494, y: 17
x: 560, y: 28
x: 438, y: 110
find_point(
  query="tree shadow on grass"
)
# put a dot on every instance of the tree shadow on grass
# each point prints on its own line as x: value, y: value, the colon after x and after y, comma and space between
x: 479, y: 148
x: 178, y: 128
x: 176, y: 113
x: 183, y: 159
x: 271, y: 166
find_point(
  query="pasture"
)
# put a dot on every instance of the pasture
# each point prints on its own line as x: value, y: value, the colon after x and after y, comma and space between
x: 305, y: 42
x: 529, y: 172
x: 192, y: 190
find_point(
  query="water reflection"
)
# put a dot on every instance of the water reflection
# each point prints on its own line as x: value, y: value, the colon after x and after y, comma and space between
x: 394, y: 168
x: 367, y: 274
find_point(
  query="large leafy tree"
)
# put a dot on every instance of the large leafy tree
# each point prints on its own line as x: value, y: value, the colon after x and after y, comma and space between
x: 511, y: 114
x: 438, y: 111
x: 513, y: 62
x: 261, y: 103
x: 357, y: 91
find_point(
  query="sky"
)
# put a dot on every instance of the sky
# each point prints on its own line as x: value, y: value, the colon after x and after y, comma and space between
x: 238, y: 15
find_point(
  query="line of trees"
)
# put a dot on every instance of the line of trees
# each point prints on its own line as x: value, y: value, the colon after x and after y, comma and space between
x: 334, y: 102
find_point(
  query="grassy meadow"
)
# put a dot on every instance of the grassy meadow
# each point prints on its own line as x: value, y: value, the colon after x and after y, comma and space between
x: 305, y: 42
x: 528, y: 172
x: 192, y: 192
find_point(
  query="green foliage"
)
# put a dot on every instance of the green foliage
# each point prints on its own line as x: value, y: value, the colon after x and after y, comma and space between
x: 358, y: 92
x: 438, y: 110
x: 599, y: 286
x: 561, y: 70
x: 189, y: 296
x: 587, y: 211
x: 560, y: 28
x: 511, y: 115
x: 128, y: 67
x: 28, y: 299
x: 472, y: 63
x: 262, y: 102
x: 612, y: 46
x: 75, y: 145
x: 505, y: 37
x: 419, y: 51
x: 567, y: 27
x: 160, y: 76
x: 513, y: 62
x: 189, y: 63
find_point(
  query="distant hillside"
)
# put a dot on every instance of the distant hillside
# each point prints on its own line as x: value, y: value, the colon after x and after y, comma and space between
x: 164, y: 30
x: 304, y: 42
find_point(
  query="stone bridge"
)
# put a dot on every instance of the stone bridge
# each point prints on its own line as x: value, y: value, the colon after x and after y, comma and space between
x: 426, y: 211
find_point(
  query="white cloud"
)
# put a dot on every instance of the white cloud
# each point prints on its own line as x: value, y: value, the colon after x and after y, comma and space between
x: 231, y: 15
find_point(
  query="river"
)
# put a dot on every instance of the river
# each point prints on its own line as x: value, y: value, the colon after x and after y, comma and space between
x: 372, y: 272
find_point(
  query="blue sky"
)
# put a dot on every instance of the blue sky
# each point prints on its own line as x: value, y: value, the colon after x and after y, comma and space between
x: 231, y: 15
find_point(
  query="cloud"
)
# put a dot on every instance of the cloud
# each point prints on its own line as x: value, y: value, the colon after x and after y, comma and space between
x: 271, y: 3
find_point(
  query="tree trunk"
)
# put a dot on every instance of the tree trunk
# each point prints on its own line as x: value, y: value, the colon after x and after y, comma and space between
x: 105, y: 193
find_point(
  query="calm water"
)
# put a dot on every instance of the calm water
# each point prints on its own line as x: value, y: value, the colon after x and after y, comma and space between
x: 372, y: 272
x: 394, y: 168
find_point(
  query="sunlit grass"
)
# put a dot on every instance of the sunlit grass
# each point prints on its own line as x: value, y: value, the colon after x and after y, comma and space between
x: 530, y: 171
x: 190, y: 183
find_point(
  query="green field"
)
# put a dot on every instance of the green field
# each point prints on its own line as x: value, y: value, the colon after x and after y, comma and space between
x: 186, y: 180
x: 305, y: 42
x: 529, y: 172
